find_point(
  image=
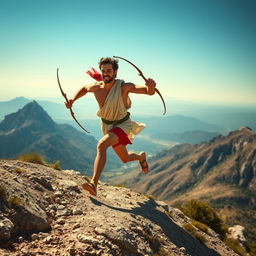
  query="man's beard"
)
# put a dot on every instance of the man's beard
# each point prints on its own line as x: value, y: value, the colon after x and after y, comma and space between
x: 108, y: 80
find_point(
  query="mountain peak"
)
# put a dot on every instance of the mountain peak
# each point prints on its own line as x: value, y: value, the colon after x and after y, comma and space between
x: 19, y: 99
x: 245, y: 128
x: 30, y: 113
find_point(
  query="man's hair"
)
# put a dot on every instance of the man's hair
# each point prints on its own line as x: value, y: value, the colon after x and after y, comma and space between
x: 109, y: 60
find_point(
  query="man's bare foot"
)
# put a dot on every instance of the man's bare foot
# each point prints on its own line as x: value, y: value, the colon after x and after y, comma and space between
x: 90, y: 187
x: 143, y: 162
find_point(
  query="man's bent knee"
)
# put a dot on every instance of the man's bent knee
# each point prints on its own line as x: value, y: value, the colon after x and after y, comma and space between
x: 106, y: 142
x: 124, y: 160
x: 102, y: 146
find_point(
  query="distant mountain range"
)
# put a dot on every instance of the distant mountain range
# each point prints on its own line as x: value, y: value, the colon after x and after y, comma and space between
x: 221, y: 171
x: 8, y: 107
x: 31, y: 129
x: 190, y: 137
x: 152, y: 140
x: 161, y: 132
x: 227, y: 118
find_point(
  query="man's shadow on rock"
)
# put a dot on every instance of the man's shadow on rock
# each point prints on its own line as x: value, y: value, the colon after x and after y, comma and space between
x: 175, y: 233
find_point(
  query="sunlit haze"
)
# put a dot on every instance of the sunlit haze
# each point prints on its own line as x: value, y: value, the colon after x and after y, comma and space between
x: 202, y: 51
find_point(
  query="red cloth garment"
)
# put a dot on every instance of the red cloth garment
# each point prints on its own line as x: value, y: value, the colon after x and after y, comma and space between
x: 94, y: 74
x: 122, y: 136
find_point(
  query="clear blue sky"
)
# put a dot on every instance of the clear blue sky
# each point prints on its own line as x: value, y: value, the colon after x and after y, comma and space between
x: 203, y: 51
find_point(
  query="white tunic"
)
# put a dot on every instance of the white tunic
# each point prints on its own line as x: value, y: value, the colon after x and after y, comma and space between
x: 114, y: 109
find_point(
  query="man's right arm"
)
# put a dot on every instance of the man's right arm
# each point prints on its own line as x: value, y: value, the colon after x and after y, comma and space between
x: 81, y: 93
x: 78, y: 95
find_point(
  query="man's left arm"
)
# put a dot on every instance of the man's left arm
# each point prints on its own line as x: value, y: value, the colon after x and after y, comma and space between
x: 148, y: 89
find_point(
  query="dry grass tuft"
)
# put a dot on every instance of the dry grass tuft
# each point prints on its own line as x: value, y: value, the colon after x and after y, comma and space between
x: 193, y: 232
x: 235, y: 246
x: 38, y: 159
x: 32, y: 158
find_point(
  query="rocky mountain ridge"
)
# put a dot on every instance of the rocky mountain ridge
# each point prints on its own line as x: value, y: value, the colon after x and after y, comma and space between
x: 221, y: 172
x: 44, y: 211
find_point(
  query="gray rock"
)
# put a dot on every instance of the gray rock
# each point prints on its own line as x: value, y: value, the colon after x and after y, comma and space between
x: 99, y: 231
x: 6, y: 228
x: 58, y: 193
x: 120, y: 236
x: 77, y: 225
x: 72, y: 251
x: 61, y: 207
x: 52, y: 207
x: 60, y: 221
x: 87, y: 239
x: 64, y: 212
x: 237, y: 232
x: 77, y: 211
x: 34, y: 237
x: 31, y: 218
x: 69, y: 185
x: 163, y: 205
x: 20, y: 239
x: 43, y: 181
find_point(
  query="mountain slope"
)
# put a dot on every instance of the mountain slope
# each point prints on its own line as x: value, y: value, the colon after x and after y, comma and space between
x: 32, y: 130
x: 222, y: 172
x: 7, y: 107
x: 53, y: 215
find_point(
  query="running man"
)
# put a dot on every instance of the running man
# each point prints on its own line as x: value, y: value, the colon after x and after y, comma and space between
x: 118, y: 129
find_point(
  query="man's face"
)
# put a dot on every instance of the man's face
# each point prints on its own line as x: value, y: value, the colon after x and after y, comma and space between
x: 108, y: 73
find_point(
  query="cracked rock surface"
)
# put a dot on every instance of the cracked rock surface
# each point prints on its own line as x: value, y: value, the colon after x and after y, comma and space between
x: 44, y: 211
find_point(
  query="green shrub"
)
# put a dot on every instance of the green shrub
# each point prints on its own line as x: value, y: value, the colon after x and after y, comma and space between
x: 252, y: 248
x: 151, y: 197
x: 32, y: 158
x: 235, y: 246
x: 200, y: 225
x: 14, y: 201
x: 189, y: 228
x: 193, y: 232
x: 169, y: 214
x: 202, y: 212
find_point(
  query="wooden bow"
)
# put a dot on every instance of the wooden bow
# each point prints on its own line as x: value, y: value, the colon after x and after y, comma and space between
x: 65, y: 97
x: 145, y: 79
